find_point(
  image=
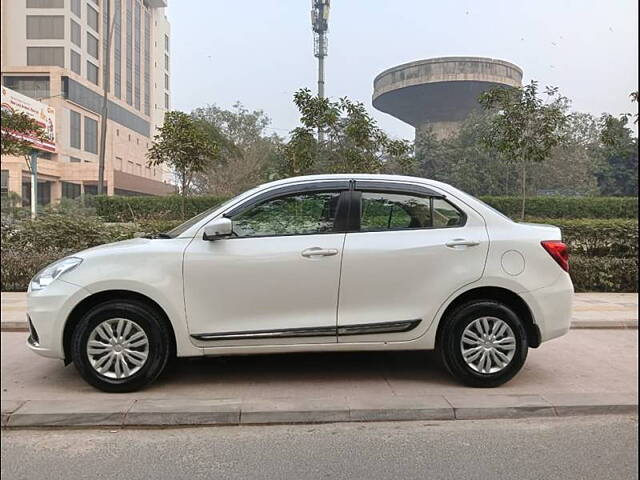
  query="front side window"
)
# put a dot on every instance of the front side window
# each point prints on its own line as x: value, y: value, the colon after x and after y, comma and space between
x: 296, y: 214
x: 398, y: 211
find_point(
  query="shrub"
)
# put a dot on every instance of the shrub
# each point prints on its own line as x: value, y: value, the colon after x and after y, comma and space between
x: 134, y: 209
x: 156, y: 226
x: 567, y: 207
x: 604, y: 274
x: 61, y: 232
x: 11, y: 205
x: 597, y: 237
x: 19, y: 266
x: 30, y: 245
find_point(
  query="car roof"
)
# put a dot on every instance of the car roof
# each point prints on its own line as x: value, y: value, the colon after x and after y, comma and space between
x: 354, y: 176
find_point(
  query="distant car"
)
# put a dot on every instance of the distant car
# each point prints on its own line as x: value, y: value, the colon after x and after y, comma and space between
x: 318, y: 263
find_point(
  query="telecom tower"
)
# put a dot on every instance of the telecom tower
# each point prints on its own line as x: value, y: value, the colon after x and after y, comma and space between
x: 320, y: 25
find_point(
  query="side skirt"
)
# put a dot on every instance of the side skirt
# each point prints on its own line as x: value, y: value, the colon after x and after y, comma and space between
x: 344, y: 330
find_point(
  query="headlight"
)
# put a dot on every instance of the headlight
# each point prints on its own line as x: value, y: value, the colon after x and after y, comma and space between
x: 53, y: 271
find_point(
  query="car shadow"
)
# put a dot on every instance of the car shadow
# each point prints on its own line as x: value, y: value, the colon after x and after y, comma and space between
x: 300, y: 369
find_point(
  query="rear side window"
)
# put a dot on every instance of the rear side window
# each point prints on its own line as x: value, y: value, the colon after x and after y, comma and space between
x: 397, y: 211
x: 445, y: 214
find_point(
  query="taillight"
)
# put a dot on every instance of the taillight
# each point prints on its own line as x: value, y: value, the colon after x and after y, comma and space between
x: 558, y: 251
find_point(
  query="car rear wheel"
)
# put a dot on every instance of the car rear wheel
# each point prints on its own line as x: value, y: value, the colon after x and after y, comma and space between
x: 483, y: 343
x: 120, y: 346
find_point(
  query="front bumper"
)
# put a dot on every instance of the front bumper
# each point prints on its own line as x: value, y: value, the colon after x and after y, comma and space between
x: 552, y: 307
x: 47, y: 312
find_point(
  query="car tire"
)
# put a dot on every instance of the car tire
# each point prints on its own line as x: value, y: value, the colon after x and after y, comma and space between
x: 114, y: 329
x: 462, y: 339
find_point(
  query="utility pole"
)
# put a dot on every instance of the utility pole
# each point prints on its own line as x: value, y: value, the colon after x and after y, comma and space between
x: 33, y: 166
x: 320, y: 26
x: 106, y: 72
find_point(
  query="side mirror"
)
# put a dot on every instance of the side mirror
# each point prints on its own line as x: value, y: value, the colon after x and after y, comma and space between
x: 218, y: 228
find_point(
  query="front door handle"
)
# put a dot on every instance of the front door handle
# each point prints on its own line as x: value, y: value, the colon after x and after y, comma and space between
x: 319, y: 252
x: 461, y: 242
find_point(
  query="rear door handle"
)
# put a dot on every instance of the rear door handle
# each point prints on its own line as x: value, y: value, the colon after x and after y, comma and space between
x: 319, y: 252
x: 461, y: 242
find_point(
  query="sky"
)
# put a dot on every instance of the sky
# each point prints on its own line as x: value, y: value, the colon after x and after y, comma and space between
x: 260, y: 52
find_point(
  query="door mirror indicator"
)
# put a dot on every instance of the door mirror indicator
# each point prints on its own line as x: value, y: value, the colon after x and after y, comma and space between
x: 219, y: 228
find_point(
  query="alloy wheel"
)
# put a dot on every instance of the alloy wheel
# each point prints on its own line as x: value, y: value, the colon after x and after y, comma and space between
x: 117, y: 348
x: 488, y: 345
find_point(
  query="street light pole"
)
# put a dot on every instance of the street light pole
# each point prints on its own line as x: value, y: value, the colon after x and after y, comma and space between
x: 106, y: 73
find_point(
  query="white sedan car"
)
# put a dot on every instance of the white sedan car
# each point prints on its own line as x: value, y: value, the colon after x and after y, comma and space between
x: 318, y: 263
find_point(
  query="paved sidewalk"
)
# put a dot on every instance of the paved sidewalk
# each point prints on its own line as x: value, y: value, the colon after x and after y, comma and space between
x: 585, y: 372
x: 590, y: 310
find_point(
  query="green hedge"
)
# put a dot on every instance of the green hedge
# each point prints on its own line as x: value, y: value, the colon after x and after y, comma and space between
x: 61, y: 232
x: 134, y: 209
x: 604, y: 274
x: 567, y: 207
x: 589, y: 274
x: 603, y: 252
x: 597, y: 237
x: 28, y: 246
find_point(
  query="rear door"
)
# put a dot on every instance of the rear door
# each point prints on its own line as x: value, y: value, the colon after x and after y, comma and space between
x: 412, y: 248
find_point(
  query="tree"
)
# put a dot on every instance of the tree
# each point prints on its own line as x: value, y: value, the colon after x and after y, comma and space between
x: 15, y: 126
x: 635, y: 98
x: 618, y: 174
x: 462, y: 160
x: 572, y: 166
x: 352, y: 143
x: 248, y: 155
x: 185, y: 144
x: 525, y: 129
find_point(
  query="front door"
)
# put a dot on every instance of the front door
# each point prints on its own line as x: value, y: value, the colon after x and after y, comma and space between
x: 411, y: 251
x: 275, y: 281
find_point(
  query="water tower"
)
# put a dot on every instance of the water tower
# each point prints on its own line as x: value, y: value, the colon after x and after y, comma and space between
x: 439, y: 93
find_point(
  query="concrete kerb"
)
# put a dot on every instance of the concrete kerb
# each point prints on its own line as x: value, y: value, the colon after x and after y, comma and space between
x: 204, y: 412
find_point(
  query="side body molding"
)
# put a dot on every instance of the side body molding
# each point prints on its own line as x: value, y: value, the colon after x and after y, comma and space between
x: 360, y: 329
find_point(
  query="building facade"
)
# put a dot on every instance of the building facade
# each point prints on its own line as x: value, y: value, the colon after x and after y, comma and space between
x: 55, y: 51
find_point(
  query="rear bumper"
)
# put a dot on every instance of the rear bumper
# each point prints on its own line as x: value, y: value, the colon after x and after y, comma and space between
x: 552, y: 307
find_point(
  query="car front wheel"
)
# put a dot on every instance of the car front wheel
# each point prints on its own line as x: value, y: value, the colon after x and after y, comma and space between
x: 483, y: 343
x: 120, y: 346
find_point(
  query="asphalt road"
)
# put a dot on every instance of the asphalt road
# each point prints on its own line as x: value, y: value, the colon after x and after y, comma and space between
x: 556, y: 448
